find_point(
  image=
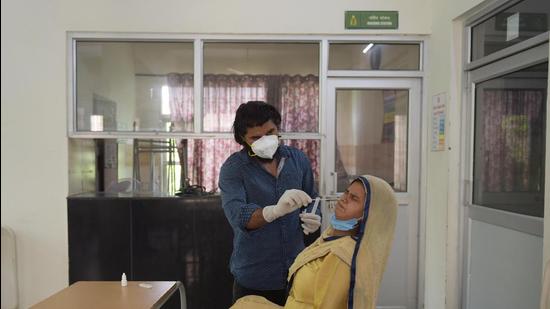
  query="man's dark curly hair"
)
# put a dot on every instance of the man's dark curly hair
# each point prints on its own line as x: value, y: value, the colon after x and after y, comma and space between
x: 252, y: 114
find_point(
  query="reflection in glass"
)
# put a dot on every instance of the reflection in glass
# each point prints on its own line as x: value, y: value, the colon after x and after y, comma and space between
x: 158, y: 165
x: 283, y: 74
x: 515, y: 24
x: 146, y: 165
x: 374, y: 56
x: 104, y: 165
x: 371, y: 135
x: 155, y: 166
x: 82, y: 166
x: 509, y: 148
x: 123, y: 82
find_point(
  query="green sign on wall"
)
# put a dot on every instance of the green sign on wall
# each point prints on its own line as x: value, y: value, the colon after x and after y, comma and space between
x: 372, y: 19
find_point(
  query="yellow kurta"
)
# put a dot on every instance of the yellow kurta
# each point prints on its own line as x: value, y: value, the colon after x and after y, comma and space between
x: 321, y: 276
x: 321, y: 283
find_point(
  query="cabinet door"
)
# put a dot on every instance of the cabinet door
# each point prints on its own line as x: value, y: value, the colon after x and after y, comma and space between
x: 99, y: 239
x: 185, y: 239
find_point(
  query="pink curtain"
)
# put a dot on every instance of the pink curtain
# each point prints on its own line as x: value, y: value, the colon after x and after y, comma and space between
x: 224, y: 93
x: 299, y: 103
x: 296, y: 97
x: 180, y: 94
x: 511, y: 124
x: 206, y: 157
x: 312, y: 149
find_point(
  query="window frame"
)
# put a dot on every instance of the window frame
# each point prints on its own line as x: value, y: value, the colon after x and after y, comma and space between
x: 380, y: 72
x: 527, y: 53
x: 497, y: 197
x: 479, y: 17
x: 533, y: 56
x: 198, y: 40
x: 198, y: 43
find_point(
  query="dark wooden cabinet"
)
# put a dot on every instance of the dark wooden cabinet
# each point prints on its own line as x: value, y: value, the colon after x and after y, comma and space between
x: 153, y: 238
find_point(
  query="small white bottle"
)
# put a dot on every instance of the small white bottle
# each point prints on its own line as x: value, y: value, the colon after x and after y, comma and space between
x: 123, y: 281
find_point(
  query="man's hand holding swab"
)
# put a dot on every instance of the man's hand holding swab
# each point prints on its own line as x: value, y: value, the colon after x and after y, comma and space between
x: 311, y: 220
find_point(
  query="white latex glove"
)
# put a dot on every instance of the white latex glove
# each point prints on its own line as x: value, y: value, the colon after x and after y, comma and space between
x: 289, y: 201
x: 312, y: 222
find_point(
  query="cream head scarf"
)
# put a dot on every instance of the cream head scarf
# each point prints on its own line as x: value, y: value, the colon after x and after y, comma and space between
x: 373, y: 245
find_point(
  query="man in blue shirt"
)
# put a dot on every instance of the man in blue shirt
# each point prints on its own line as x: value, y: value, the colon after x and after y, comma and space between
x: 263, y: 187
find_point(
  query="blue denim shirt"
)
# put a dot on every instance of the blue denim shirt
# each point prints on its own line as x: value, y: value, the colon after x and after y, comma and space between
x: 261, y: 257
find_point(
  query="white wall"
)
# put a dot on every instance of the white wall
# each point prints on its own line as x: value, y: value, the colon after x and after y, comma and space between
x: 34, y: 157
x: 442, y: 209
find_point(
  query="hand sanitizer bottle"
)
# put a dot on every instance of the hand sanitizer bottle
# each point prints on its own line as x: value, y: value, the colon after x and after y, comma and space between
x: 123, y: 281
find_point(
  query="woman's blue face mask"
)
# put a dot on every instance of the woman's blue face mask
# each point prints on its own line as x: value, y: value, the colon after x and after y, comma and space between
x: 343, y: 225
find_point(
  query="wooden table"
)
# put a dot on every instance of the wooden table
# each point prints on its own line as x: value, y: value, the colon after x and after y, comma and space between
x: 110, y: 294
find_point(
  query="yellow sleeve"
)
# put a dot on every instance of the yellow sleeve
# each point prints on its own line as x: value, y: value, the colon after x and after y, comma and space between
x: 332, y: 284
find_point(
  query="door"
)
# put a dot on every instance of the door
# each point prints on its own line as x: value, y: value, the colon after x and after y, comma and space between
x: 373, y: 127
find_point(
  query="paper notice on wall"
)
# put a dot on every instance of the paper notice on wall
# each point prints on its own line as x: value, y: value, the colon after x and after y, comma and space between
x: 512, y: 27
x: 438, y: 121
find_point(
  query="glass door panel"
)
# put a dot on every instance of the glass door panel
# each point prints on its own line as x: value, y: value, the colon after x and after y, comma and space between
x: 371, y: 135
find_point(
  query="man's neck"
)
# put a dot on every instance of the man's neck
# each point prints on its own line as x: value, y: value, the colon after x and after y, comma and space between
x: 271, y: 167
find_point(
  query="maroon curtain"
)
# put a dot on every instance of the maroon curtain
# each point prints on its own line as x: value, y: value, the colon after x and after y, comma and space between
x: 299, y: 103
x: 224, y: 93
x: 511, y: 124
x: 299, y: 106
x: 296, y: 97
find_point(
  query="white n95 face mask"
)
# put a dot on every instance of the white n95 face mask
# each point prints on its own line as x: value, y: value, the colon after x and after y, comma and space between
x: 266, y: 146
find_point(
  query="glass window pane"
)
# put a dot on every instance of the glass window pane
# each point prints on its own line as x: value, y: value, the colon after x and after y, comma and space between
x: 205, y: 159
x: 371, y: 135
x: 285, y: 75
x: 510, y: 26
x: 159, y: 166
x: 373, y: 56
x: 312, y: 149
x: 509, y: 148
x: 82, y: 165
x: 123, y: 166
x: 134, y: 86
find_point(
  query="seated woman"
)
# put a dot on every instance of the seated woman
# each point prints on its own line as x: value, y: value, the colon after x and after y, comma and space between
x: 343, y: 268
